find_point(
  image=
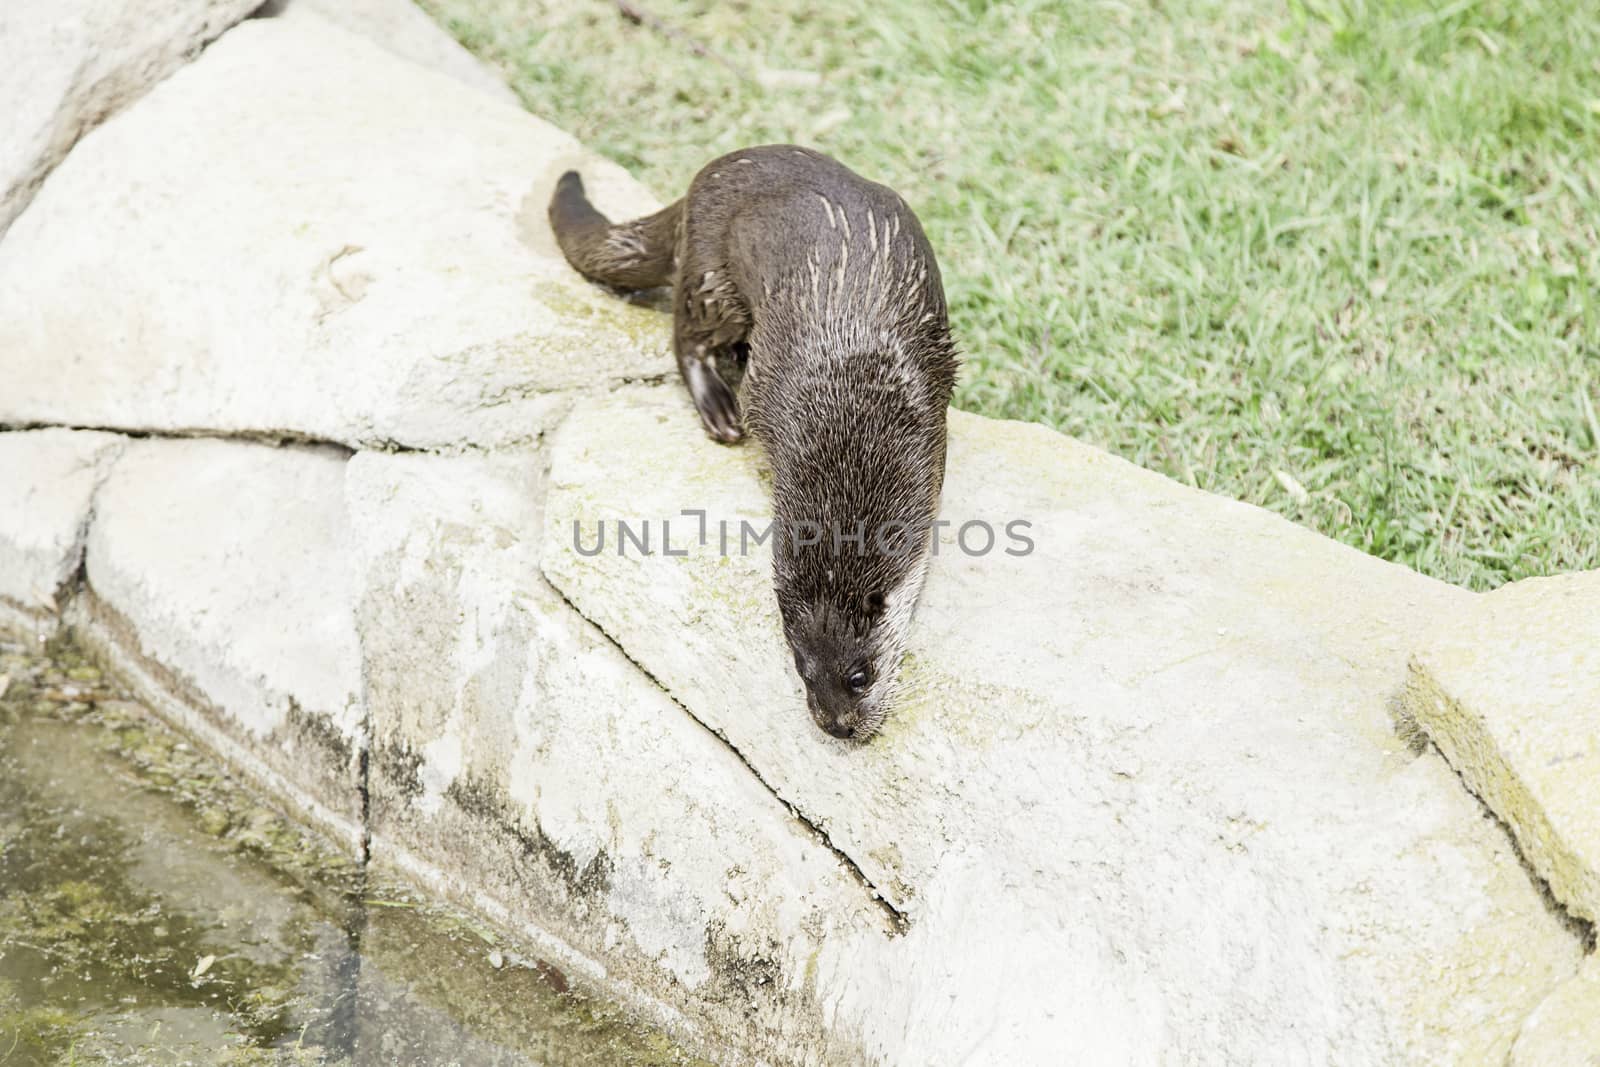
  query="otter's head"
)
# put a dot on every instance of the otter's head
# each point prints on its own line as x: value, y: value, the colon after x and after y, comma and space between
x: 855, y: 433
x: 846, y: 617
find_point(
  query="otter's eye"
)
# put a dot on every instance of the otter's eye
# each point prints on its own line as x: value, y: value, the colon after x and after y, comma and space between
x: 874, y: 603
x: 858, y: 679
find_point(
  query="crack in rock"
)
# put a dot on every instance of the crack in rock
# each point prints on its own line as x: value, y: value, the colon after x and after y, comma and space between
x: 897, y: 922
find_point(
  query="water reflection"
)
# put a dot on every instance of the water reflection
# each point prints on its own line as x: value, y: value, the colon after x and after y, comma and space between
x: 153, y: 912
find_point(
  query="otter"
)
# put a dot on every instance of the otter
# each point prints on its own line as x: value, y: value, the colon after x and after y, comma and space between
x: 823, y: 288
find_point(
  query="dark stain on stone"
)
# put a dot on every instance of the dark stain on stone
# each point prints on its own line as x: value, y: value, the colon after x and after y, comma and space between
x: 320, y: 731
x: 551, y: 975
x: 743, y: 968
x: 484, y: 805
x: 398, y: 769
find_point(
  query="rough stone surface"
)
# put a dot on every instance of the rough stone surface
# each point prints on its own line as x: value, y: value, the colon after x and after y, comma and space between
x: 47, y: 485
x: 1509, y: 689
x: 1142, y: 800
x: 303, y: 234
x: 523, y: 765
x: 219, y: 580
x: 67, y: 64
x: 1564, y: 1031
x: 1157, y: 813
x: 406, y: 30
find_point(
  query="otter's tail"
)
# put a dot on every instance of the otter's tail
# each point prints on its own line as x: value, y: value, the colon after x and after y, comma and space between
x: 630, y: 255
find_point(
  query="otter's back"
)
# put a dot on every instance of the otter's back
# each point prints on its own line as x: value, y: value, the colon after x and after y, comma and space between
x: 793, y: 224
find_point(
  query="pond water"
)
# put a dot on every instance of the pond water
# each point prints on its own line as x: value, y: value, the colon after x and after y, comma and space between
x: 154, y: 911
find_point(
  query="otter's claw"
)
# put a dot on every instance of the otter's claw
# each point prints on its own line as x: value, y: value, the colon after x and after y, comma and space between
x: 719, y: 411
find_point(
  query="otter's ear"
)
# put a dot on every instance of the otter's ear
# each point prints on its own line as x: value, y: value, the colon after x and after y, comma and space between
x: 874, y: 603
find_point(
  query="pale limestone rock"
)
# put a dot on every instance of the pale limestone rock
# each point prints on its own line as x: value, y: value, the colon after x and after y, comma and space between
x: 1142, y: 799
x: 303, y: 234
x: 1509, y: 689
x: 1564, y: 1031
x: 219, y: 582
x: 47, y: 485
x: 521, y: 764
x: 406, y: 30
x: 1142, y: 803
x: 65, y: 65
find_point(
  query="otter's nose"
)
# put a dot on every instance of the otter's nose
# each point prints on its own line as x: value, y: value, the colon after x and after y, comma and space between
x: 831, y: 719
x: 838, y: 728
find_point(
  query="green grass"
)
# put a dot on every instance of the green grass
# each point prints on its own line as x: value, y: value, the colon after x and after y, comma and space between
x: 1338, y: 258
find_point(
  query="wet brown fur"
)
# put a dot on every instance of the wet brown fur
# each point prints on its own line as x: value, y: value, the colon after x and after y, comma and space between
x: 824, y: 284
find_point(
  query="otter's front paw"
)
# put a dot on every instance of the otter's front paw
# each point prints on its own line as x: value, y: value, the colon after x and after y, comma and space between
x: 719, y: 411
